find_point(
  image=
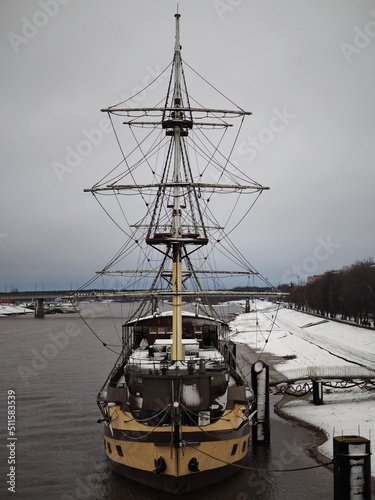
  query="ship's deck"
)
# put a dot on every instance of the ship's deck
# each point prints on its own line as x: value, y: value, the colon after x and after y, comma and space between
x: 157, y: 358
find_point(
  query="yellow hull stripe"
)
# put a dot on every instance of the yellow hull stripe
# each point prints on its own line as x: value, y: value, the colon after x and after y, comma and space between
x: 141, y: 456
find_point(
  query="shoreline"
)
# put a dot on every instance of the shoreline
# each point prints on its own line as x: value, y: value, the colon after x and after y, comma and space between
x: 319, y: 435
x: 249, y: 355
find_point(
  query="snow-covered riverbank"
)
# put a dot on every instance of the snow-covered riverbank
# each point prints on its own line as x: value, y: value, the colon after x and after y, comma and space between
x: 296, y: 340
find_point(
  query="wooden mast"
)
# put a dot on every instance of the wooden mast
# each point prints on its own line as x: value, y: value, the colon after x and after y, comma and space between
x: 177, y: 353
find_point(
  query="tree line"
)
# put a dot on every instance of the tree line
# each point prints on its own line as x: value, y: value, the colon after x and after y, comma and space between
x: 349, y: 293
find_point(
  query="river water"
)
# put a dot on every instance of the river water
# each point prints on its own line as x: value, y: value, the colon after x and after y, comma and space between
x: 56, y: 366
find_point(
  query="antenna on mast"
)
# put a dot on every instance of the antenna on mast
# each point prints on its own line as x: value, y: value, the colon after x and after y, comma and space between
x: 177, y: 43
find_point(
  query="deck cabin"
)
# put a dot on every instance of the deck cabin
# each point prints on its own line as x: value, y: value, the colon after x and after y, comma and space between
x: 206, y: 331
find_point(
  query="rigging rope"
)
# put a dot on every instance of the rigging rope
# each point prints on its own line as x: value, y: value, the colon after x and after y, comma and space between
x: 257, y: 468
x: 95, y: 334
x: 143, y: 88
x: 269, y: 333
x: 217, y: 90
x: 147, y: 433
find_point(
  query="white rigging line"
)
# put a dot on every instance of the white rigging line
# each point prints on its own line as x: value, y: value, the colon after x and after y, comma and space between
x: 217, y: 90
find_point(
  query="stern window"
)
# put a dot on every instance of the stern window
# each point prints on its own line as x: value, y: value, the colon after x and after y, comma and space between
x: 157, y: 330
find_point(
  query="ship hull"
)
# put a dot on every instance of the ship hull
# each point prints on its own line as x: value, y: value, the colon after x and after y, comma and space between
x: 175, y: 425
x: 203, y: 455
x: 177, y: 485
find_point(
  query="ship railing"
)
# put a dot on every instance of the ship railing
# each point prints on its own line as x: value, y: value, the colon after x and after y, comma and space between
x: 103, y: 390
x: 164, y: 367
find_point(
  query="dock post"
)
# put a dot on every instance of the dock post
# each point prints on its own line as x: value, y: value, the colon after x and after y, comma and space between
x: 352, y: 468
x: 317, y: 387
x: 39, y: 310
x: 247, y: 305
x: 260, y: 386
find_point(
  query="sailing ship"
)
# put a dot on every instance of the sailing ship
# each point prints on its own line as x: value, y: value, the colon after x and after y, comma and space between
x: 177, y: 410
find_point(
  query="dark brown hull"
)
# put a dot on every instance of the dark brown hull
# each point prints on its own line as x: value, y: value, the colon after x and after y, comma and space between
x: 177, y: 485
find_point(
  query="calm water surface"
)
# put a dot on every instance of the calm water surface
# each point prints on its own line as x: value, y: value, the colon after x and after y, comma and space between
x: 56, y: 366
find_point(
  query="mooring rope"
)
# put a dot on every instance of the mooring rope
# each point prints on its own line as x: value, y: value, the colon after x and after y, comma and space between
x: 257, y: 468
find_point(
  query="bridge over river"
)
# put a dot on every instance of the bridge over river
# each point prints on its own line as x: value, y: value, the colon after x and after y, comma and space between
x: 118, y: 294
x: 123, y: 295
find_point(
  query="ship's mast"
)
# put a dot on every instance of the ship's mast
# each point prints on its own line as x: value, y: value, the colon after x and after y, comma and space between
x: 176, y: 224
x: 177, y: 353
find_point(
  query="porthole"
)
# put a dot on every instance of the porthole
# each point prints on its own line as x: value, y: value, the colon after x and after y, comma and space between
x: 234, y: 449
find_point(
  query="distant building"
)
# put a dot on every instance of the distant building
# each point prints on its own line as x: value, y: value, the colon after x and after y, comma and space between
x: 311, y: 279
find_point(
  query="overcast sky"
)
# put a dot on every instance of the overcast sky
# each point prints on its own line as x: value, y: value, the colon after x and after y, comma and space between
x: 305, y: 69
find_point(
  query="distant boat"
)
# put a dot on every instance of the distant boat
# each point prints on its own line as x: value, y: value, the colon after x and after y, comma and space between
x: 176, y: 408
x: 13, y: 310
x: 61, y: 307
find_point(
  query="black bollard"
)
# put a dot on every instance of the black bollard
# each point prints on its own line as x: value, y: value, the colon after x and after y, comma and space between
x: 352, y: 468
x: 317, y: 387
x: 39, y: 310
x: 247, y: 305
x: 260, y: 384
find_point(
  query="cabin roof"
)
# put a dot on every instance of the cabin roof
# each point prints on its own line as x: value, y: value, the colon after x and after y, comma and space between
x: 168, y: 314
